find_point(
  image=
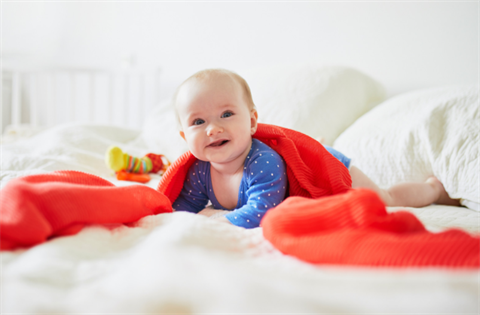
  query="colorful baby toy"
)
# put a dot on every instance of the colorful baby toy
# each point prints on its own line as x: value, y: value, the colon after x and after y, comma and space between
x: 135, y: 169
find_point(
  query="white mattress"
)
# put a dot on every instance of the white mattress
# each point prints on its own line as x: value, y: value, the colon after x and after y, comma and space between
x: 187, y: 263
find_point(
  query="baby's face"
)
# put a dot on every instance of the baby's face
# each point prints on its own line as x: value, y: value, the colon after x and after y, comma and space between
x: 217, y: 123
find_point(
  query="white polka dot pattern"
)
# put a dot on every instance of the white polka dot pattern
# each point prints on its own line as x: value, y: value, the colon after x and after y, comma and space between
x: 262, y: 187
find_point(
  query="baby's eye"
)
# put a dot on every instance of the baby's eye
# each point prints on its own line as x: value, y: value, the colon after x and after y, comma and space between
x: 227, y: 114
x: 198, y: 121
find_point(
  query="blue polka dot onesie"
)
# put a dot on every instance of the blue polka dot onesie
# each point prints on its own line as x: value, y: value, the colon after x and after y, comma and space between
x: 263, y: 186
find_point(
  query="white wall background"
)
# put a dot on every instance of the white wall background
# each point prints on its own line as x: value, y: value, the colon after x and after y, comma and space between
x: 404, y: 45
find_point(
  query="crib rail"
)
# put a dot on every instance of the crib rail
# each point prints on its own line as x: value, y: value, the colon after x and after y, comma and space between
x: 46, y: 97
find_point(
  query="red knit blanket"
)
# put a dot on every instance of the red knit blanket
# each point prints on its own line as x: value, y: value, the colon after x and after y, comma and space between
x: 355, y: 229
x: 312, y: 171
x: 37, y: 207
x: 323, y: 220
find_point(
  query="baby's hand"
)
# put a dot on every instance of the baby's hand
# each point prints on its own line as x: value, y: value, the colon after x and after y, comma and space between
x: 215, y: 214
x: 321, y: 140
x: 209, y: 211
x: 223, y: 219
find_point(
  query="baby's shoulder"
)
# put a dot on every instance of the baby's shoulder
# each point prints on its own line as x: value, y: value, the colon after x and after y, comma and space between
x: 263, y: 159
x: 261, y: 151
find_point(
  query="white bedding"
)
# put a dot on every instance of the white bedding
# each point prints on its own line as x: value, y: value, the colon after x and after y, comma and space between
x: 186, y: 263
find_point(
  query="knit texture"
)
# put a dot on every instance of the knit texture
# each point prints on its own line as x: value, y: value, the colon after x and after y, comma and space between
x: 355, y: 229
x: 311, y: 170
x: 37, y: 207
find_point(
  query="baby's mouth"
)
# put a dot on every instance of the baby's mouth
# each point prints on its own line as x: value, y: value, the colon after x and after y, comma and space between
x: 218, y: 143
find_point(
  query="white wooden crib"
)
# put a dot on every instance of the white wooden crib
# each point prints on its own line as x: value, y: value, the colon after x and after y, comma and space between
x: 40, y: 97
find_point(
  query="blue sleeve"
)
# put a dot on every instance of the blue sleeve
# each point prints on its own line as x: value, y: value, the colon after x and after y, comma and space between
x: 267, y: 186
x: 193, y: 197
x: 339, y: 156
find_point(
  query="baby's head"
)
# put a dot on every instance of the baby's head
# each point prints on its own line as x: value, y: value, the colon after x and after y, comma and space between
x: 216, y: 114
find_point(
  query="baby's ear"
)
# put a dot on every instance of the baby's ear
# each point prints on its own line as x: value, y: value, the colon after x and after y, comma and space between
x: 253, y: 121
x: 255, y: 113
x: 182, y: 134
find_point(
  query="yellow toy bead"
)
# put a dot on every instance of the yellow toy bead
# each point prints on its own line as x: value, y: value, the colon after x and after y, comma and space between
x: 115, y: 158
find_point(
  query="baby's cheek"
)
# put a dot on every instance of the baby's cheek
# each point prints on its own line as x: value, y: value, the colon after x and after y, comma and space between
x: 190, y: 138
x: 196, y: 142
x: 195, y: 145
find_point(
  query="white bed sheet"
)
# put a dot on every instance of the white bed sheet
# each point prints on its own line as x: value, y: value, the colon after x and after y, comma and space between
x: 187, y: 263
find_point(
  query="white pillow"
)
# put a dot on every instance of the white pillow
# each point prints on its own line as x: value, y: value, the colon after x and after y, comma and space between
x: 318, y: 101
x: 415, y: 135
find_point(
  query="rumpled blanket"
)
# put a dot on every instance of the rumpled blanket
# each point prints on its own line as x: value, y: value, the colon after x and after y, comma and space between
x: 323, y: 220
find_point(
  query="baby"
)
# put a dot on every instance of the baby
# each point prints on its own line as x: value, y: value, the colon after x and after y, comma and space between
x: 235, y: 172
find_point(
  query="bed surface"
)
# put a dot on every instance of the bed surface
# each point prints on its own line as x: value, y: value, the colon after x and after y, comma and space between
x: 188, y: 263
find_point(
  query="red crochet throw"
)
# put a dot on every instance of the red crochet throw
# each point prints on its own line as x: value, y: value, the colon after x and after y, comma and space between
x: 312, y: 171
x: 355, y: 229
x: 37, y: 207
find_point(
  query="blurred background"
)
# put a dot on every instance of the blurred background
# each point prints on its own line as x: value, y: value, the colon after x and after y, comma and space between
x: 403, y: 45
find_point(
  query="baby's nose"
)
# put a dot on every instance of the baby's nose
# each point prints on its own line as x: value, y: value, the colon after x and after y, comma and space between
x: 214, y: 129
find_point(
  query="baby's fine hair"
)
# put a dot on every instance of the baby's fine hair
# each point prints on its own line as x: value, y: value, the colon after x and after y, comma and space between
x: 206, y: 74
